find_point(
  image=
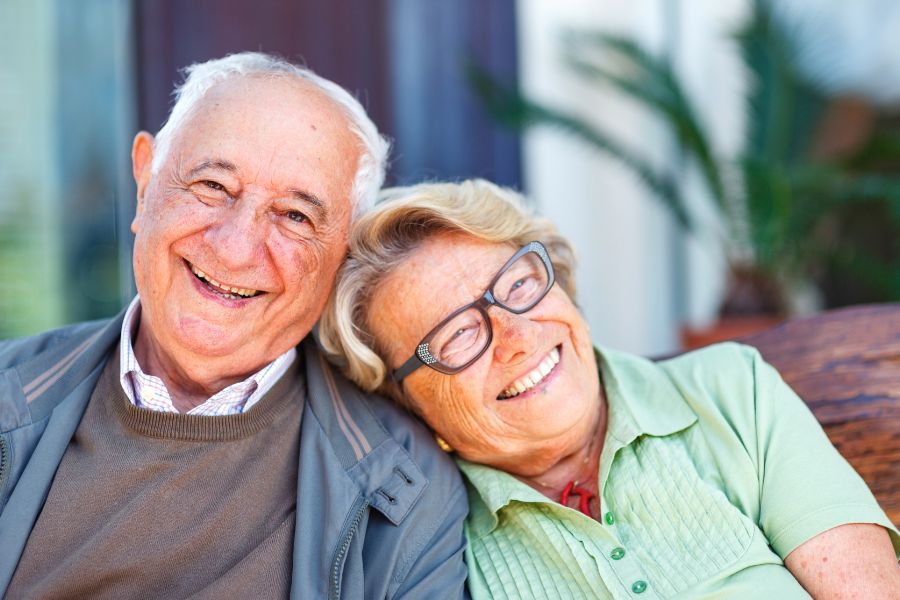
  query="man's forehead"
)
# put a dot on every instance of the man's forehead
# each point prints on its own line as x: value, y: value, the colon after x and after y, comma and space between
x: 276, y: 127
x: 265, y: 94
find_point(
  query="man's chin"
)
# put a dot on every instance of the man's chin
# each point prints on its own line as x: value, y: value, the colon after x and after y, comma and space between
x: 213, y: 340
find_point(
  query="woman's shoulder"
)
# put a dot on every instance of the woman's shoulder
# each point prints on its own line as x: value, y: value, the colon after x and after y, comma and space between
x: 716, y: 359
x: 725, y: 373
x: 721, y: 373
x: 720, y: 384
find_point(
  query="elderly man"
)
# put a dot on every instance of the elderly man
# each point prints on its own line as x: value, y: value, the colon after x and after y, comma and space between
x: 190, y: 447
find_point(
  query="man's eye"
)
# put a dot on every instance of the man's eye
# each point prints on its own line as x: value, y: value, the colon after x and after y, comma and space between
x: 214, y: 185
x: 296, y: 216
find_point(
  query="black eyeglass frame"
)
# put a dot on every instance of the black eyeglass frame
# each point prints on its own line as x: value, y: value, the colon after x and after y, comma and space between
x: 423, y: 356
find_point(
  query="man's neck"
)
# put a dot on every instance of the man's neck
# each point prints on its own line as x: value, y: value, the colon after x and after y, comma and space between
x: 187, y: 390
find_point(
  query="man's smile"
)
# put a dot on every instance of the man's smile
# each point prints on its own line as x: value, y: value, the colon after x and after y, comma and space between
x: 224, y: 290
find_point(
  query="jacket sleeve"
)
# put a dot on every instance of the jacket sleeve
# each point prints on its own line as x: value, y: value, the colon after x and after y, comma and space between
x: 438, y: 571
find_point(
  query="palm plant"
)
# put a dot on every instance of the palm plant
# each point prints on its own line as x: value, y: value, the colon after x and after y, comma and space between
x: 780, y: 208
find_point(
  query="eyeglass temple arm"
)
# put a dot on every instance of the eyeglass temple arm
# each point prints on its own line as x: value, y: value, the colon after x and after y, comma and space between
x: 406, y: 368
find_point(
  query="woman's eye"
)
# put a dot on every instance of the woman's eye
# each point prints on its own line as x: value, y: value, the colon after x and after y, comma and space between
x: 460, y: 332
x: 521, y: 287
x: 460, y: 339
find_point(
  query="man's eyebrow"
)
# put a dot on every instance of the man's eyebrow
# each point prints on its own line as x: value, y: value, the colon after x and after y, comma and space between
x: 213, y: 164
x: 307, y: 197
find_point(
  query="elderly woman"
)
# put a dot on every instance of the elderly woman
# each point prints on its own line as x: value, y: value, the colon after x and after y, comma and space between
x: 593, y: 474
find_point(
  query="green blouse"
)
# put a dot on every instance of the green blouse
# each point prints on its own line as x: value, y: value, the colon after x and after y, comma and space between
x: 712, y: 471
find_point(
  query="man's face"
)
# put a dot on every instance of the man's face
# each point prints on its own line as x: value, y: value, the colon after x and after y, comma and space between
x: 239, y: 235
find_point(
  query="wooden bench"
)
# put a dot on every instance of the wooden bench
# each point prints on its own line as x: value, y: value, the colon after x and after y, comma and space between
x: 846, y: 365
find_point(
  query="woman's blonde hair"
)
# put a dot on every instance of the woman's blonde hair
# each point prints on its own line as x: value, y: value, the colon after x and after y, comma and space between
x: 385, y: 236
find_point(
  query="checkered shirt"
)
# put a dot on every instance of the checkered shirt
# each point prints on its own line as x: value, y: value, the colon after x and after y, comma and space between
x: 147, y: 391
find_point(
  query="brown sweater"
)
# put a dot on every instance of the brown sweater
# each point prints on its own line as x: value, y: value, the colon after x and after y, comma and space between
x: 162, y: 505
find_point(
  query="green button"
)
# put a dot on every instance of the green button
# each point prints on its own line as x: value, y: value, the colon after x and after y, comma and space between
x: 639, y: 586
x: 609, y: 519
x: 617, y: 553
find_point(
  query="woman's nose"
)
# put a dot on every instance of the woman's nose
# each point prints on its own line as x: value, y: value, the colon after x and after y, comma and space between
x: 515, y: 335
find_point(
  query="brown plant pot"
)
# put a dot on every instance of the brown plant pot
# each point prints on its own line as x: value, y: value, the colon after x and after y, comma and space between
x: 726, y: 328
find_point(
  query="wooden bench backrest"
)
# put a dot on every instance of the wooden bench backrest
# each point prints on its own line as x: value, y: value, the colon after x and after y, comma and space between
x: 846, y: 365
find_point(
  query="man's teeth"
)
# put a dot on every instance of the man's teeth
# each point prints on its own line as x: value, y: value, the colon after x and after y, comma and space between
x: 243, y: 292
x: 533, y: 378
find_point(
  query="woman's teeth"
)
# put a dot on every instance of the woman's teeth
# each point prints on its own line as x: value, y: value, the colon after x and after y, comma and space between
x: 533, y: 378
x: 234, y: 292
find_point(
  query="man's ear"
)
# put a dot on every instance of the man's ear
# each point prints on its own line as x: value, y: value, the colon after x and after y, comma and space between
x: 141, y: 163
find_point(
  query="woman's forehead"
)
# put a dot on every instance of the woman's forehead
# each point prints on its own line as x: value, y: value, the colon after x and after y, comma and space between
x: 449, y: 263
x: 442, y: 274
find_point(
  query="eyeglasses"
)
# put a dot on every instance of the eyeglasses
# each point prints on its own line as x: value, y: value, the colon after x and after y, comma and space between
x: 461, y: 338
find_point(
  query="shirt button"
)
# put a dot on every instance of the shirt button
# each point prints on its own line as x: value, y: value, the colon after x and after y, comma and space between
x: 617, y: 553
x: 609, y: 518
x: 639, y: 586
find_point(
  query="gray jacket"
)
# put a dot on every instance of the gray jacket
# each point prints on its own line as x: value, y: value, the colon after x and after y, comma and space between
x: 379, y: 508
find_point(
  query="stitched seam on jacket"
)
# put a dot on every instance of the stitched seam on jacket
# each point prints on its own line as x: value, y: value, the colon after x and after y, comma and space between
x: 360, y: 445
x: 35, y: 388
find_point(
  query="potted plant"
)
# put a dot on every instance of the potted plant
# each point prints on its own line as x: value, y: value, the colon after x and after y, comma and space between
x: 780, y: 201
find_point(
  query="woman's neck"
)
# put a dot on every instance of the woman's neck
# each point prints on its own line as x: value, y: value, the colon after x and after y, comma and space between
x: 580, y: 467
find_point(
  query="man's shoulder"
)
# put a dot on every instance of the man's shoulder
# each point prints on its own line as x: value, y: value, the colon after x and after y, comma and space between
x: 357, y: 422
x: 16, y: 351
x: 408, y: 431
x: 417, y: 440
x: 428, y: 544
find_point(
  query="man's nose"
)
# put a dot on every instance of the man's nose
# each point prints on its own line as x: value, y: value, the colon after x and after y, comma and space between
x: 516, y: 336
x: 238, y: 238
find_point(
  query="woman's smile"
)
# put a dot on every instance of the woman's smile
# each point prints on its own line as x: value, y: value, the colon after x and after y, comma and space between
x: 536, y: 379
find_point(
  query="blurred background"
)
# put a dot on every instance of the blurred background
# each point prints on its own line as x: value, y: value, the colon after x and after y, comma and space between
x: 719, y: 164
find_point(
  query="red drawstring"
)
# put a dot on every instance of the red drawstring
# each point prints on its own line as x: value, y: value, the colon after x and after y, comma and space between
x: 584, y: 497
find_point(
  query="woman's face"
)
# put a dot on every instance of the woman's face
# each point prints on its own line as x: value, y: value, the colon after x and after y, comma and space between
x: 524, y: 434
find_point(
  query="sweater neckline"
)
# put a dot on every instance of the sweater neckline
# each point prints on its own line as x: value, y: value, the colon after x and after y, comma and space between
x: 202, y: 428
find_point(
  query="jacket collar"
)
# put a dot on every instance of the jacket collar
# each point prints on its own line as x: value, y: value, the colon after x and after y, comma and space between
x: 382, y: 469
x: 62, y: 364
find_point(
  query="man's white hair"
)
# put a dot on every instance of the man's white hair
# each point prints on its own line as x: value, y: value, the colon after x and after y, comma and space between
x: 200, y: 77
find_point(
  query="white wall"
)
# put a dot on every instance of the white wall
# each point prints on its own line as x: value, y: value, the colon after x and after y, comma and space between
x: 639, y: 280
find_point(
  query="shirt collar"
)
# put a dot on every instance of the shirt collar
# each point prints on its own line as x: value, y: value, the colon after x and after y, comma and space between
x: 236, y: 398
x: 641, y: 400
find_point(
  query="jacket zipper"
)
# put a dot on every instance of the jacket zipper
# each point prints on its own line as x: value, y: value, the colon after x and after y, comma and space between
x: 4, y: 462
x: 336, y: 568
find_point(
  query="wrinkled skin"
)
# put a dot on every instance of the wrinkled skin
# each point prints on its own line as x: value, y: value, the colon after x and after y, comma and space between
x: 527, y: 435
x: 255, y: 192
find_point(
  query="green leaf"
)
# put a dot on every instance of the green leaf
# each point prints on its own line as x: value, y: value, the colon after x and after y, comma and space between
x: 650, y: 81
x: 510, y: 108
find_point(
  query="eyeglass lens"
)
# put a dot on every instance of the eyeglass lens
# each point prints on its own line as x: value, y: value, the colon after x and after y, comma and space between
x: 517, y: 289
